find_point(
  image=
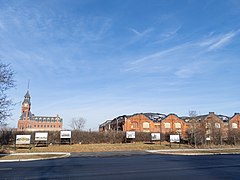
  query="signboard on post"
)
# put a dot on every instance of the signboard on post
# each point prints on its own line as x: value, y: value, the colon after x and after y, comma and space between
x: 208, y: 139
x: 23, y: 139
x: 174, y: 138
x: 130, y: 134
x: 65, y: 137
x: 41, y: 136
x: 65, y: 134
x: 155, y: 137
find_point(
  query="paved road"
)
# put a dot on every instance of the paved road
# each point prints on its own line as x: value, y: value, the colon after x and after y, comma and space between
x: 134, y: 166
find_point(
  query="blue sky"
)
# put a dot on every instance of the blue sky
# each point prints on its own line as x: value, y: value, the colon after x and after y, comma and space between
x: 99, y: 59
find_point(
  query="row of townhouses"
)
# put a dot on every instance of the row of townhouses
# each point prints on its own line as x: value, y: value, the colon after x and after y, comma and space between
x: 156, y: 122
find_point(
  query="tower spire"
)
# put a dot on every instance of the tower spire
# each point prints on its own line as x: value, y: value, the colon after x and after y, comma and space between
x: 28, y: 85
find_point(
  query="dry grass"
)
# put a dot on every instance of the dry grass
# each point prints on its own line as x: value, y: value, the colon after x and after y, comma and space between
x: 102, y: 147
x: 164, y: 147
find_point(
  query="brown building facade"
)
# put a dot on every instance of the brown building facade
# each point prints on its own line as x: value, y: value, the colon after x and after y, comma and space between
x: 210, y: 126
x: 30, y: 122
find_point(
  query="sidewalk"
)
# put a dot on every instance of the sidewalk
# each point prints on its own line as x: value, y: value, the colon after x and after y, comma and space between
x: 34, y: 156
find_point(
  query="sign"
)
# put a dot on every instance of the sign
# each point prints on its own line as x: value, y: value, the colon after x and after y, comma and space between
x: 208, y: 138
x: 130, y: 134
x: 41, y: 136
x: 65, y: 134
x: 155, y: 136
x: 174, y: 138
x: 23, y: 139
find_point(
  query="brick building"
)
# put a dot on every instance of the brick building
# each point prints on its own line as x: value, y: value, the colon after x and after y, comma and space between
x: 147, y: 122
x: 212, y: 126
x: 175, y: 125
x: 234, y: 123
x: 30, y: 122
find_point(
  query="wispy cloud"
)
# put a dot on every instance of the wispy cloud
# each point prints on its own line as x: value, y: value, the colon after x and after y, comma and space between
x: 171, y: 32
x: 190, y: 69
x: 184, y: 60
x: 216, y: 42
x: 160, y: 58
x: 141, y: 34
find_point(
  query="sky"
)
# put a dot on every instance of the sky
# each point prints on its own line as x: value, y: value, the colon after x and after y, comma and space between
x: 100, y: 59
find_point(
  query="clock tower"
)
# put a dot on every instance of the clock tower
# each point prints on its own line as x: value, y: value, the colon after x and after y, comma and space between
x: 26, y: 105
x: 29, y: 122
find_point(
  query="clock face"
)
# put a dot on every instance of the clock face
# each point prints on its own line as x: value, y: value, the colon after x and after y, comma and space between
x: 25, y: 104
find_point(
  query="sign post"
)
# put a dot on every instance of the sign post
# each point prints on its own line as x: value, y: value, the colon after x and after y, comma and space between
x: 174, y: 138
x: 41, y: 137
x: 23, y: 140
x: 155, y: 137
x: 130, y: 135
x: 65, y: 137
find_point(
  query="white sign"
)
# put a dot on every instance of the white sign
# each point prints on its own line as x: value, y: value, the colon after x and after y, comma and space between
x: 23, y: 139
x: 41, y: 136
x: 174, y: 138
x: 130, y: 134
x: 65, y: 134
x: 155, y: 136
x: 208, y: 138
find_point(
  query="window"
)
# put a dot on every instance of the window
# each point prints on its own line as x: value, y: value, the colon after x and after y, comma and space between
x: 177, y: 125
x: 217, y: 125
x: 234, y: 125
x: 146, y: 125
x: 167, y: 125
x: 134, y: 125
x: 208, y: 125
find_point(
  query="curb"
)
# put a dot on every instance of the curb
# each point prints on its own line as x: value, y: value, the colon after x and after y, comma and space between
x: 197, y: 152
x: 64, y: 155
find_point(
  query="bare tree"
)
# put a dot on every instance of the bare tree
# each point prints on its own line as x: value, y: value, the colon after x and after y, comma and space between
x: 193, y: 126
x: 6, y: 83
x: 77, y: 123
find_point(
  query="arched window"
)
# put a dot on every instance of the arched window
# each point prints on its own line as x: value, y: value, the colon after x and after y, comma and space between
x: 177, y: 125
x: 134, y: 125
x: 217, y: 125
x: 146, y: 125
x: 167, y: 125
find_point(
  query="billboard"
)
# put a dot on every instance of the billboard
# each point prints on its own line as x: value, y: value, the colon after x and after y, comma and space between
x: 155, y: 137
x: 23, y: 139
x: 174, y: 138
x: 130, y: 134
x: 65, y: 134
x: 41, y: 136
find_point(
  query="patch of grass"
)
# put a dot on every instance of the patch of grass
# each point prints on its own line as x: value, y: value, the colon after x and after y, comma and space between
x: 103, y: 147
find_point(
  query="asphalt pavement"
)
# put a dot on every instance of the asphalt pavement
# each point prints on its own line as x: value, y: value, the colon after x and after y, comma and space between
x: 130, y: 166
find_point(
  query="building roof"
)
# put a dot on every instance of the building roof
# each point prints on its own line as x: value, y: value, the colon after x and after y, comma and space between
x: 27, y: 98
